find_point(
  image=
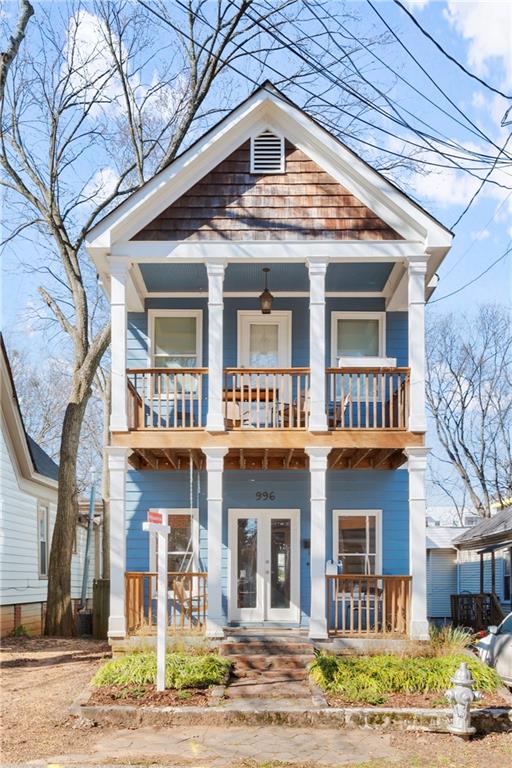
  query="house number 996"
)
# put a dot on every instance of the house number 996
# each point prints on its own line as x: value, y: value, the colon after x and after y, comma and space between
x: 265, y: 496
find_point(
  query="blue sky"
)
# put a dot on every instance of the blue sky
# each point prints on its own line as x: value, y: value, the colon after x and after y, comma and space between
x: 479, y: 35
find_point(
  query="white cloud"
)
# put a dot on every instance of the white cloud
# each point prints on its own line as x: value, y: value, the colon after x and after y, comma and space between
x: 488, y: 28
x: 101, y: 185
x: 483, y: 235
x: 416, y: 4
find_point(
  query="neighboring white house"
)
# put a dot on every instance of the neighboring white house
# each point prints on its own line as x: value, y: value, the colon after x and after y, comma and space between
x: 442, y: 571
x: 28, y: 502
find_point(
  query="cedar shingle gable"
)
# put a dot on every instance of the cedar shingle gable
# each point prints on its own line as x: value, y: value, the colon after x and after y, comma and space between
x: 305, y: 203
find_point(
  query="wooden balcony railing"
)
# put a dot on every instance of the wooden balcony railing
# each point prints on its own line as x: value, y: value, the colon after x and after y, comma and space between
x: 273, y: 398
x: 270, y: 398
x: 167, y: 398
x: 368, y: 398
x: 368, y: 605
x: 187, y: 601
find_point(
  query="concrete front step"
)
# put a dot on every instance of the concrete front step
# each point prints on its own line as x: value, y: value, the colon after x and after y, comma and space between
x: 259, y: 648
x: 271, y: 689
x: 276, y: 661
x: 271, y: 674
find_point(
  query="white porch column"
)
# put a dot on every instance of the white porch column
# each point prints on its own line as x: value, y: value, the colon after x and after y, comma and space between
x: 214, y: 468
x: 417, y: 269
x: 119, y: 410
x: 317, y: 415
x: 417, y: 464
x: 117, y: 466
x: 215, y: 417
x: 317, y: 469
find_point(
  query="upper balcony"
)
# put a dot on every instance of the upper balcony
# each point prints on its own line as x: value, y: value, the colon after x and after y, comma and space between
x: 357, y: 398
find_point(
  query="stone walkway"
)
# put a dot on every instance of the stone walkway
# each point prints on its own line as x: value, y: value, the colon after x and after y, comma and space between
x: 217, y: 747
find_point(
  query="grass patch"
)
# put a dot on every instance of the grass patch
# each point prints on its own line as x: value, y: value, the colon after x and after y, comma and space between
x: 370, y: 679
x: 183, y: 670
x: 449, y: 639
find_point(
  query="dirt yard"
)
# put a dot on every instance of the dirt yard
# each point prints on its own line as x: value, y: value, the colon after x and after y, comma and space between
x: 41, y: 677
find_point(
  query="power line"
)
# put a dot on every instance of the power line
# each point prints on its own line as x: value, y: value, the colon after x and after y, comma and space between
x: 478, y: 190
x: 358, y: 72
x: 448, y: 55
x: 430, y: 78
x: 315, y: 96
x: 478, y: 132
x: 475, y: 239
x: 475, y: 279
x: 289, y: 45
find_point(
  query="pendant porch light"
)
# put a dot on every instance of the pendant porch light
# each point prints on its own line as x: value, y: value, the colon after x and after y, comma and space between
x: 266, y: 297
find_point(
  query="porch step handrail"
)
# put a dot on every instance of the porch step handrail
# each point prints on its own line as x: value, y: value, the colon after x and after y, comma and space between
x: 368, y: 604
x: 187, y: 600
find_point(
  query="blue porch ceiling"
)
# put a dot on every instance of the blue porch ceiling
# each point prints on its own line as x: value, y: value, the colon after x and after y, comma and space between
x: 353, y: 277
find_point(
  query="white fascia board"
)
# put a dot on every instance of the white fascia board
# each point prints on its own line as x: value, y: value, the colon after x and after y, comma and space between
x: 288, y: 251
x: 371, y: 187
x: 161, y: 191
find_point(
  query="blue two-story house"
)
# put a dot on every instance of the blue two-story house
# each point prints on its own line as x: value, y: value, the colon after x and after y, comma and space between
x: 267, y: 295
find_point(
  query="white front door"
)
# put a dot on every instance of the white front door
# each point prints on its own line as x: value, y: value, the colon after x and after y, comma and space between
x: 264, y: 341
x: 264, y: 565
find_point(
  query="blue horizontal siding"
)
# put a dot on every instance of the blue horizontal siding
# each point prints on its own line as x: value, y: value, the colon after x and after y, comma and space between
x: 386, y: 490
x: 396, y: 326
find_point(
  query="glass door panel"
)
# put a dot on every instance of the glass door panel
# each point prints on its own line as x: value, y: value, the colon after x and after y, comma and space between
x: 280, y: 563
x: 247, y: 563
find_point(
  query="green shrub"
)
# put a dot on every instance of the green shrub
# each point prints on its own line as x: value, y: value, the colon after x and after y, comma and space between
x: 19, y: 631
x: 449, y: 639
x: 182, y: 670
x: 371, y: 678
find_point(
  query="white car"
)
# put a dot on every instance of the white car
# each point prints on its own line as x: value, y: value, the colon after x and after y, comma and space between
x: 495, y: 649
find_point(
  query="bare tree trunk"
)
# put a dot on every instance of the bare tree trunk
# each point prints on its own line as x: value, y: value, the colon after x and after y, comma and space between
x: 59, y: 614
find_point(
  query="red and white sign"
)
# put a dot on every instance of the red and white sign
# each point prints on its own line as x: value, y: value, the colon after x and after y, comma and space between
x: 155, y: 516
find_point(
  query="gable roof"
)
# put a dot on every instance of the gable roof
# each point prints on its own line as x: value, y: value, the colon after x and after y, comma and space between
x: 268, y: 106
x: 34, y: 462
x: 492, y: 530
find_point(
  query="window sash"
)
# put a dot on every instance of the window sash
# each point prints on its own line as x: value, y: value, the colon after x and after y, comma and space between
x: 42, y: 539
x: 367, y: 550
x: 176, y: 340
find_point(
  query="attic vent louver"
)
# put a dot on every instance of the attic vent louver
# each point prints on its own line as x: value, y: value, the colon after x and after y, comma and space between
x: 267, y: 153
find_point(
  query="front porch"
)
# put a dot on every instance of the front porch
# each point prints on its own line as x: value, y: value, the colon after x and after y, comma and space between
x: 357, y: 606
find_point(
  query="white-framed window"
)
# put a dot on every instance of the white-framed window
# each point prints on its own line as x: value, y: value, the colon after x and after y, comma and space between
x: 42, y: 539
x: 267, y: 152
x: 357, y: 334
x: 357, y: 540
x: 183, y: 541
x: 176, y: 338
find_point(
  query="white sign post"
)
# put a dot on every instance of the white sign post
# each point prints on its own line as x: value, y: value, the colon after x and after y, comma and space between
x: 155, y: 524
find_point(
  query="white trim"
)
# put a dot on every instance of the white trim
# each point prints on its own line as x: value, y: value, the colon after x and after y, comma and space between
x: 256, y: 294
x: 337, y: 315
x: 263, y: 611
x: 377, y: 513
x: 193, y: 512
x: 282, y: 318
x: 154, y: 313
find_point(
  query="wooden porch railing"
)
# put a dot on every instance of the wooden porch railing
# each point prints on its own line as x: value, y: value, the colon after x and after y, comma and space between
x: 477, y: 611
x: 368, y: 398
x: 368, y: 605
x: 187, y: 601
x: 167, y: 398
x: 272, y: 398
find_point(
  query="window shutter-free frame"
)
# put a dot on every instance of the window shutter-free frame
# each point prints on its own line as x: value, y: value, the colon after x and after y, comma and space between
x: 267, y: 153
